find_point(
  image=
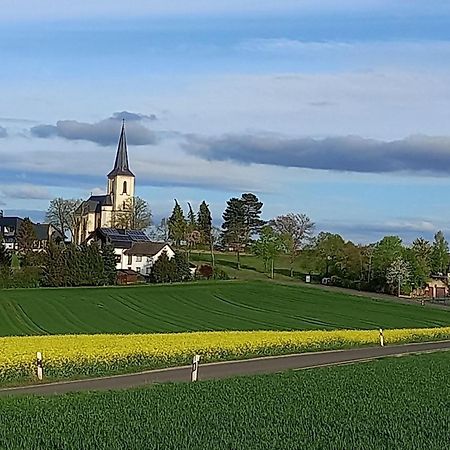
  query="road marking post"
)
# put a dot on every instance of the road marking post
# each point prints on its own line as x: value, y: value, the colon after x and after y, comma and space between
x: 39, y: 365
x: 381, y: 337
x: 194, y: 370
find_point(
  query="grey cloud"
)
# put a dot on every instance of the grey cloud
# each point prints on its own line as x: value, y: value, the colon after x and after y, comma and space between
x: 351, y: 153
x: 105, y: 132
x: 3, y: 132
x: 26, y: 191
x: 129, y: 116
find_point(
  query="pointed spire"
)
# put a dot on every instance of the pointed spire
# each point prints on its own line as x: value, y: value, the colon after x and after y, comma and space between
x: 121, y: 166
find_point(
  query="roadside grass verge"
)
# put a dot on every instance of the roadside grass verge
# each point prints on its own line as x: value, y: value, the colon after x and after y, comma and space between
x: 383, y: 404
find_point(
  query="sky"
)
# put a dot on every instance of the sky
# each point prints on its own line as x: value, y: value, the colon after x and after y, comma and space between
x: 335, y: 109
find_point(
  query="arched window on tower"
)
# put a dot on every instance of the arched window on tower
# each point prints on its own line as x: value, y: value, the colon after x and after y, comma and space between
x: 124, y: 187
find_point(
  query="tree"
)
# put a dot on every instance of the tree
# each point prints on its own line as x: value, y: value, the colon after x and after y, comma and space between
x: 182, y: 269
x: 135, y: 215
x: 177, y: 224
x: 191, y: 219
x: 54, y: 273
x: 420, y: 257
x: 204, y: 221
x: 268, y: 247
x: 330, y: 250
x: 163, y: 271
x: 26, y: 242
x: 61, y: 214
x: 161, y: 232
x: 385, y: 253
x: 252, y: 215
x: 109, y: 264
x: 439, y: 254
x: 296, y: 230
x: 398, y: 273
x: 234, y: 226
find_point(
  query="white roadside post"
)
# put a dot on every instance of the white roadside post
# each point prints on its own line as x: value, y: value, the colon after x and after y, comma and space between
x: 39, y: 365
x: 381, y: 337
x: 194, y: 370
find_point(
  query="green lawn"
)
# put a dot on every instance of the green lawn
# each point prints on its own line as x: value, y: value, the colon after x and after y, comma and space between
x: 398, y: 403
x: 252, y: 267
x: 230, y: 305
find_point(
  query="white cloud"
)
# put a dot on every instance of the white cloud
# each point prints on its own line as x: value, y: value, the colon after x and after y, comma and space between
x: 25, y: 191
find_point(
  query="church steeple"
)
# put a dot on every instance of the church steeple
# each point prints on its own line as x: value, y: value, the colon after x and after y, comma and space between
x: 121, y: 166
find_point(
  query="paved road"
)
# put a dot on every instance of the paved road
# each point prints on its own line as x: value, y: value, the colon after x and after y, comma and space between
x: 227, y: 369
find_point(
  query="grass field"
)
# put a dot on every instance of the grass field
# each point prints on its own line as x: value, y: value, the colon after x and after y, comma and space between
x: 205, y: 306
x: 348, y: 407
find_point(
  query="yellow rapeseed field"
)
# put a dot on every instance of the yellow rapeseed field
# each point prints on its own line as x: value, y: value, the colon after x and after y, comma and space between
x: 99, y: 354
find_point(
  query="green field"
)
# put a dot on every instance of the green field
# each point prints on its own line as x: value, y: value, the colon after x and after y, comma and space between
x: 230, y: 305
x: 348, y: 407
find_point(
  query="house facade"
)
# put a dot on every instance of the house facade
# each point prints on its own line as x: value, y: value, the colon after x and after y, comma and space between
x: 133, y: 248
x: 105, y: 211
x: 9, y: 228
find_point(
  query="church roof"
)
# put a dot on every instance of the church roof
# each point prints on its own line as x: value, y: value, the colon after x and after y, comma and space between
x: 95, y: 202
x: 121, y: 166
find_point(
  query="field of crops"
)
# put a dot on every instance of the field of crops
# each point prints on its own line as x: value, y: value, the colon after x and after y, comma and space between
x: 201, y: 307
x: 95, y: 355
x: 348, y: 407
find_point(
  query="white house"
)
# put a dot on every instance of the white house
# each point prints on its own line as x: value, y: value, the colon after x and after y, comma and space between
x: 141, y: 256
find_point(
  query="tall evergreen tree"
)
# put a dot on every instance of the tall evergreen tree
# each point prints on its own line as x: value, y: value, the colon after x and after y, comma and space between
x: 191, y: 219
x: 26, y: 241
x: 182, y: 271
x: 204, y: 221
x: 177, y: 224
x: 252, y: 215
x: 109, y: 264
x: 54, y: 273
x: 234, y: 226
x: 163, y: 271
x: 439, y: 253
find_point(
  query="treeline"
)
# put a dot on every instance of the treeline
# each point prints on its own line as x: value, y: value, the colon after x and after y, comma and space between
x: 385, y: 266
x: 58, y: 265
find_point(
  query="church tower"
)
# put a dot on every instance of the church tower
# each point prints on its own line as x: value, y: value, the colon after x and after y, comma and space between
x: 121, y: 179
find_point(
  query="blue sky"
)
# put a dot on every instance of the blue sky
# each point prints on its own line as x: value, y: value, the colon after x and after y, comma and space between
x: 335, y: 109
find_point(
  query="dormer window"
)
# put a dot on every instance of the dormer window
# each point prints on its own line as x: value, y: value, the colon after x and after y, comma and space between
x: 124, y: 187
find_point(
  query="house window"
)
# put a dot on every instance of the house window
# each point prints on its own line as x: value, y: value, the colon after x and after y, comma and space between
x: 148, y: 270
x: 138, y: 269
x: 138, y: 258
x: 130, y: 259
x: 124, y: 187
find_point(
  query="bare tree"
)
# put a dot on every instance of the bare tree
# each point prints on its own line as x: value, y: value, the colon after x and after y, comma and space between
x: 135, y: 215
x: 295, y: 230
x: 61, y: 214
x: 161, y: 231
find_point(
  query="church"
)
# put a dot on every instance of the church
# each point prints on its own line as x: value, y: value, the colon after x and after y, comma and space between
x: 111, y: 209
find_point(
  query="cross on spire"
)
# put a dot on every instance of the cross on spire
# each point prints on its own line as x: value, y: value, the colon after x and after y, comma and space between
x: 121, y: 166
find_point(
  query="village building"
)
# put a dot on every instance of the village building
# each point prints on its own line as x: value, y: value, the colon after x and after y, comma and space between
x: 106, y: 211
x: 133, y: 249
x: 9, y: 228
